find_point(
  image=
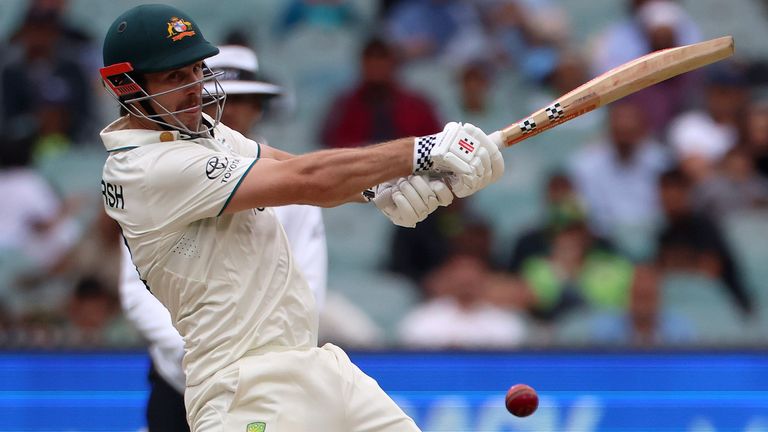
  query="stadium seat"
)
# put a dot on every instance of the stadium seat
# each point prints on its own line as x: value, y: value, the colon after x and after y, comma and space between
x: 358, y: 237
x: 385, y: 297
x: 703, y: 301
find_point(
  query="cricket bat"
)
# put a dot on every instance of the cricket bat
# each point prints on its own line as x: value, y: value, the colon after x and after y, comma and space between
x: 618, y: 82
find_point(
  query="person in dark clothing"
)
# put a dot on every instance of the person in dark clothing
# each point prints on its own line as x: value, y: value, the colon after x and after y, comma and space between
x: 755, y: 136
x: 378, y: 108
x: 690, y: 241
x: 43, y: 89
x: 454, y: 229
x: 165, y: 407
x: 563, y: 207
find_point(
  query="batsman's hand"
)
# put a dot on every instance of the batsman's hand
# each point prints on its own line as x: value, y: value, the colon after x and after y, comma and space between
x: 463, y: 154
x: 409, y: 200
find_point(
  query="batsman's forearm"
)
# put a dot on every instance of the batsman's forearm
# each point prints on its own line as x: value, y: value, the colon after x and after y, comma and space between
x: 334, y: 177
x: 326, y: 178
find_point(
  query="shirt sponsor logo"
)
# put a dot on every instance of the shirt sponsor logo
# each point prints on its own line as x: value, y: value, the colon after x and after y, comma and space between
x: 233, y: 164
x: 215, y: 167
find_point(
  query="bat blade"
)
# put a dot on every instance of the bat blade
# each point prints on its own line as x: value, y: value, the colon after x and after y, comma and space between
x: 621, y: 81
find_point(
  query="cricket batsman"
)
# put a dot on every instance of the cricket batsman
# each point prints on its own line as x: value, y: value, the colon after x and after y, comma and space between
x: 247, y: 98
x: 194, y: 200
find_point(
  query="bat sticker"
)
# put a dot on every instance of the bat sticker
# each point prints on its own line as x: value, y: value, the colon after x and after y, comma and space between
x: 555, y: 111
x: 528, y: 125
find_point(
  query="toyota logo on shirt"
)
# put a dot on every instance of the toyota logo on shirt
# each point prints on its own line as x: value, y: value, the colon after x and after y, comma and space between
x: 215, y: 167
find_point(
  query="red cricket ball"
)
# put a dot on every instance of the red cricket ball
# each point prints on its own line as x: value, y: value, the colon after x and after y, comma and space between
x: 522, y: 400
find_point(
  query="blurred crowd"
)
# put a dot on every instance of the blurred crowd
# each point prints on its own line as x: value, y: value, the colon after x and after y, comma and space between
x: 631, y: 243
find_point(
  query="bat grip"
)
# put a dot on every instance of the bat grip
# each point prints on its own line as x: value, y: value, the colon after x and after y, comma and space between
x: 498, y: 139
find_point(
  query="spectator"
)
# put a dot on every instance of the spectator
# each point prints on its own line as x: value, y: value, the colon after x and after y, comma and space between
x: 526, y: 34
x: 319, y: 13
x: 692, y: 242
x: 756, y: 136
x: 701, y: 138
x: 377, y: 108
x: 563, y: 206
x: 96, y: 255
x: 8, y: 327
x: 43, y: 90
x: 646, y: 323
x: 94, y: 318
x: 657, y: 25
x: 734, y: 187
x: 249, y: 92
x: 617, y: 177
x: 73, y: 42
x: 475, y: 103
x: 576, y: 272
x: 569, y: 72
x: 457, y: 315
x: 456, y: 228
x: 450, y: 30
x: 630, y: 38
x: 34, y: 221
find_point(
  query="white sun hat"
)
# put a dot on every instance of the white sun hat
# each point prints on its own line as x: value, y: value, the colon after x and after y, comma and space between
x: 241, y: 66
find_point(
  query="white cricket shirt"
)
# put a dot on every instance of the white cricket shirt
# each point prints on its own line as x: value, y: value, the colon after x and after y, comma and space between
x: 228, y: 281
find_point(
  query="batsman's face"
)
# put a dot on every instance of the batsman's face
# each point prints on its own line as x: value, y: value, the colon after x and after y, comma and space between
x: 183, y: 99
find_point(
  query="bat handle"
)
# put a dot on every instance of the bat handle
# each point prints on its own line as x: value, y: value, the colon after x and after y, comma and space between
x: 498, y: 139
x: 508, y: 136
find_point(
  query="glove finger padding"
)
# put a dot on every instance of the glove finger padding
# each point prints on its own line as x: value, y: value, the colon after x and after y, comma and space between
x: 409, y: 200
x: 482, y: 164
x: 384, y: 202
x: 430, y: 191
x: 404, y: 214
x: 497, y: 165
x: 442, y: 191
x: 414, y: 198
x: 465, y: 185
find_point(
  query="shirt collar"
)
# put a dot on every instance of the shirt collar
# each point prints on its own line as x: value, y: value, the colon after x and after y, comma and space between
x: 116, y: 136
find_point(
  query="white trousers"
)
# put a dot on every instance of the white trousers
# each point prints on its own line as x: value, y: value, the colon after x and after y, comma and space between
x: 308, y: 390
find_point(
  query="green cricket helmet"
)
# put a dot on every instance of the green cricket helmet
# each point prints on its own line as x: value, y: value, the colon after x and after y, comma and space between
x: 154, y: 38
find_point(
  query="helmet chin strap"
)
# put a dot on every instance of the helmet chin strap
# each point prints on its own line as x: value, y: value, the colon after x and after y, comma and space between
x: 147, y: 106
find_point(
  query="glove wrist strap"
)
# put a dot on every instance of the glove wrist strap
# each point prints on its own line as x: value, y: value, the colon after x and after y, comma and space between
x: 422, y: 149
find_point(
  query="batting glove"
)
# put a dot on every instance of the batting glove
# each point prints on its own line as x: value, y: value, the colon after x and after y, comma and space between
x: 464, y: 154
x: 409, y: 200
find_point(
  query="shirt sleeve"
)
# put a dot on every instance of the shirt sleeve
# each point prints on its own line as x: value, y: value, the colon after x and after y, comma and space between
x: 240, y: 143
x: 188, y: 182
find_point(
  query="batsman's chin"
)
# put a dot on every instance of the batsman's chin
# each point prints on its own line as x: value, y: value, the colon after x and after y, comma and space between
x: 190, y: 119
